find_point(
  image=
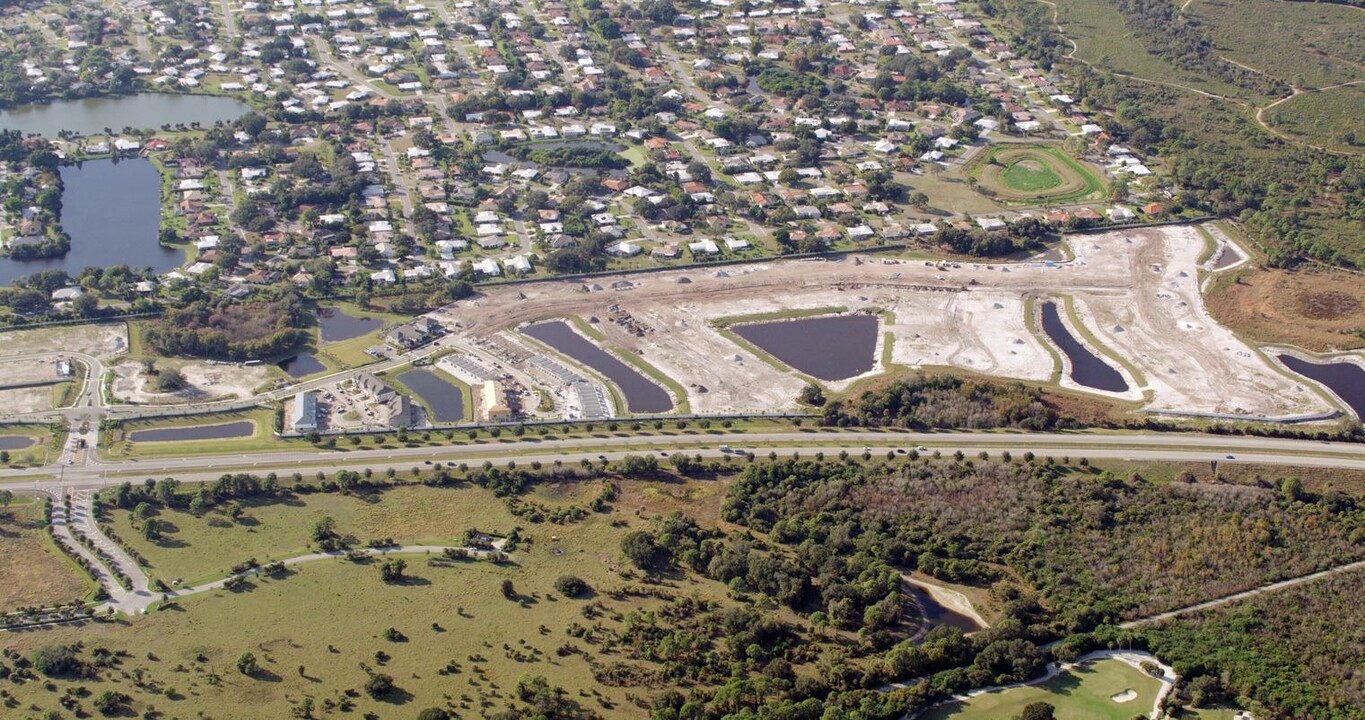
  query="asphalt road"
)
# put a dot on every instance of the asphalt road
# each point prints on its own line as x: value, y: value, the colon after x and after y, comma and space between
x: 1134, y: 447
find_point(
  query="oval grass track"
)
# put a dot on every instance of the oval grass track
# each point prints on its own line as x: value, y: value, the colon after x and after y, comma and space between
x: 1033, y: 174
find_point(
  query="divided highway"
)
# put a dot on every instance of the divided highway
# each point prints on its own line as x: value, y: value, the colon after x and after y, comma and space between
x: 1136, y: 447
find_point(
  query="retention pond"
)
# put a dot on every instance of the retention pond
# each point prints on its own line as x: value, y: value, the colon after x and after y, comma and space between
x: 642, y: 395
x: 14, y: 442
x: 828, y: 348
x: 302, y: 365
x: 1086, y: 368
x: 224, y: 431
x: 1345, y: 379
x: 335, y: 325
x: 91, y: 116
x: 445, y: 400
x: 935, y: 614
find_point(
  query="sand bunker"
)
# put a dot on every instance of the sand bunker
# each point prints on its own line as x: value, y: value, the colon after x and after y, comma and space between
x: 1125, y: 696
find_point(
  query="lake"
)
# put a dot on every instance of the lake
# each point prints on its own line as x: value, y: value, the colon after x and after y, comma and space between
x: 145, y: 110
x: 112, y: 210
x: 642, y: 394
x: 335, y: 325
x: 15, y: 442
x: 442, y: 397
x: 244, y: 428
x: 1345, y: 379
x: 828, y: 348
x: 302, y: 365
x: 1086, y: 368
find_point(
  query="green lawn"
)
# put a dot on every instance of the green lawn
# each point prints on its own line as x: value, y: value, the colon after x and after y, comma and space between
x: 1030, y: 175
x: 1083, y: 693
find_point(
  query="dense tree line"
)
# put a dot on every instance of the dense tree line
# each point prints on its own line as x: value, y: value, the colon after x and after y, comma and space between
x: 925, y: 402
x: 1296, y: 653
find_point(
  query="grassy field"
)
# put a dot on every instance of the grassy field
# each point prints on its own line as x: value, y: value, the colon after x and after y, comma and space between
x: 32, y: 570
x: 1330, y: 118
x: 1083, y: 693
x: 1319, y: 310
x: 317, y: 630
x: 116, y: 443
x: 949, y: 194
x: 194, y: 548
x: 1306, y: 44
x: 1103, y: 39
x: 1032, y: 174
x: 46, y: 446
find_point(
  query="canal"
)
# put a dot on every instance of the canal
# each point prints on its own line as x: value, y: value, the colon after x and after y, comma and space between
x: 642, y: 394
x: 445, y: 401
x: 1086, y: 368
x: 829, y: 348
x: 91, y: 116
x: 112, y: 210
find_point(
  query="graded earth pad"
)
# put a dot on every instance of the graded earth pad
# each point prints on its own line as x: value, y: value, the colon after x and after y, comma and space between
x: 1135, y: 294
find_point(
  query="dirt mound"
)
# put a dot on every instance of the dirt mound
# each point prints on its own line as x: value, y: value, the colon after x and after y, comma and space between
x: 1327, y: 305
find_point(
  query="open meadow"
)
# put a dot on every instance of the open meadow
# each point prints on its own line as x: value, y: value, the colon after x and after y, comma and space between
x: 33, y: 572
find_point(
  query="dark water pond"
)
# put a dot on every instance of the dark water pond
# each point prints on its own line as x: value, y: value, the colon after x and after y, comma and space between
x: 443, y: 398
x: 642, y: 395
x: 828, y: 348
x: 146, y: 110
x: 112, y: 210
x: 302, y: 365
x: 336, y: 325
x: 935, y: 614
x: 1086, y: 369
x: 1345, y: 379
x: 244, y: 428
x: 15, y: 442
x: 1227, y: 258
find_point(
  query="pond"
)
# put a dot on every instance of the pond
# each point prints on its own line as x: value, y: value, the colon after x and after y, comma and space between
x: 112, y: 210
x: 244, y: 428
x: 441, y: 396
x: 302, y: 365
x: 15, y: 442
x: 935, y: 614
x: 1345, y: 379
x: 1086, y: 369
x: 335, y: 325
x: 145, y: 110
x: 828, y: 348
x: 642, y: 394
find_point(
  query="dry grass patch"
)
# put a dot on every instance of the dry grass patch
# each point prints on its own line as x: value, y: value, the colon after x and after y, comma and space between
x: 1319, y: 310
x: 32, y: 570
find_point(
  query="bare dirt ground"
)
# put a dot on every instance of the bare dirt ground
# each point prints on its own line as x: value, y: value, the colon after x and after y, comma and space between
x: 1136, y: 291
x: 1318, y: 310
x: 206, y: 382
x: 102, y: 341
x: 26, y: 400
